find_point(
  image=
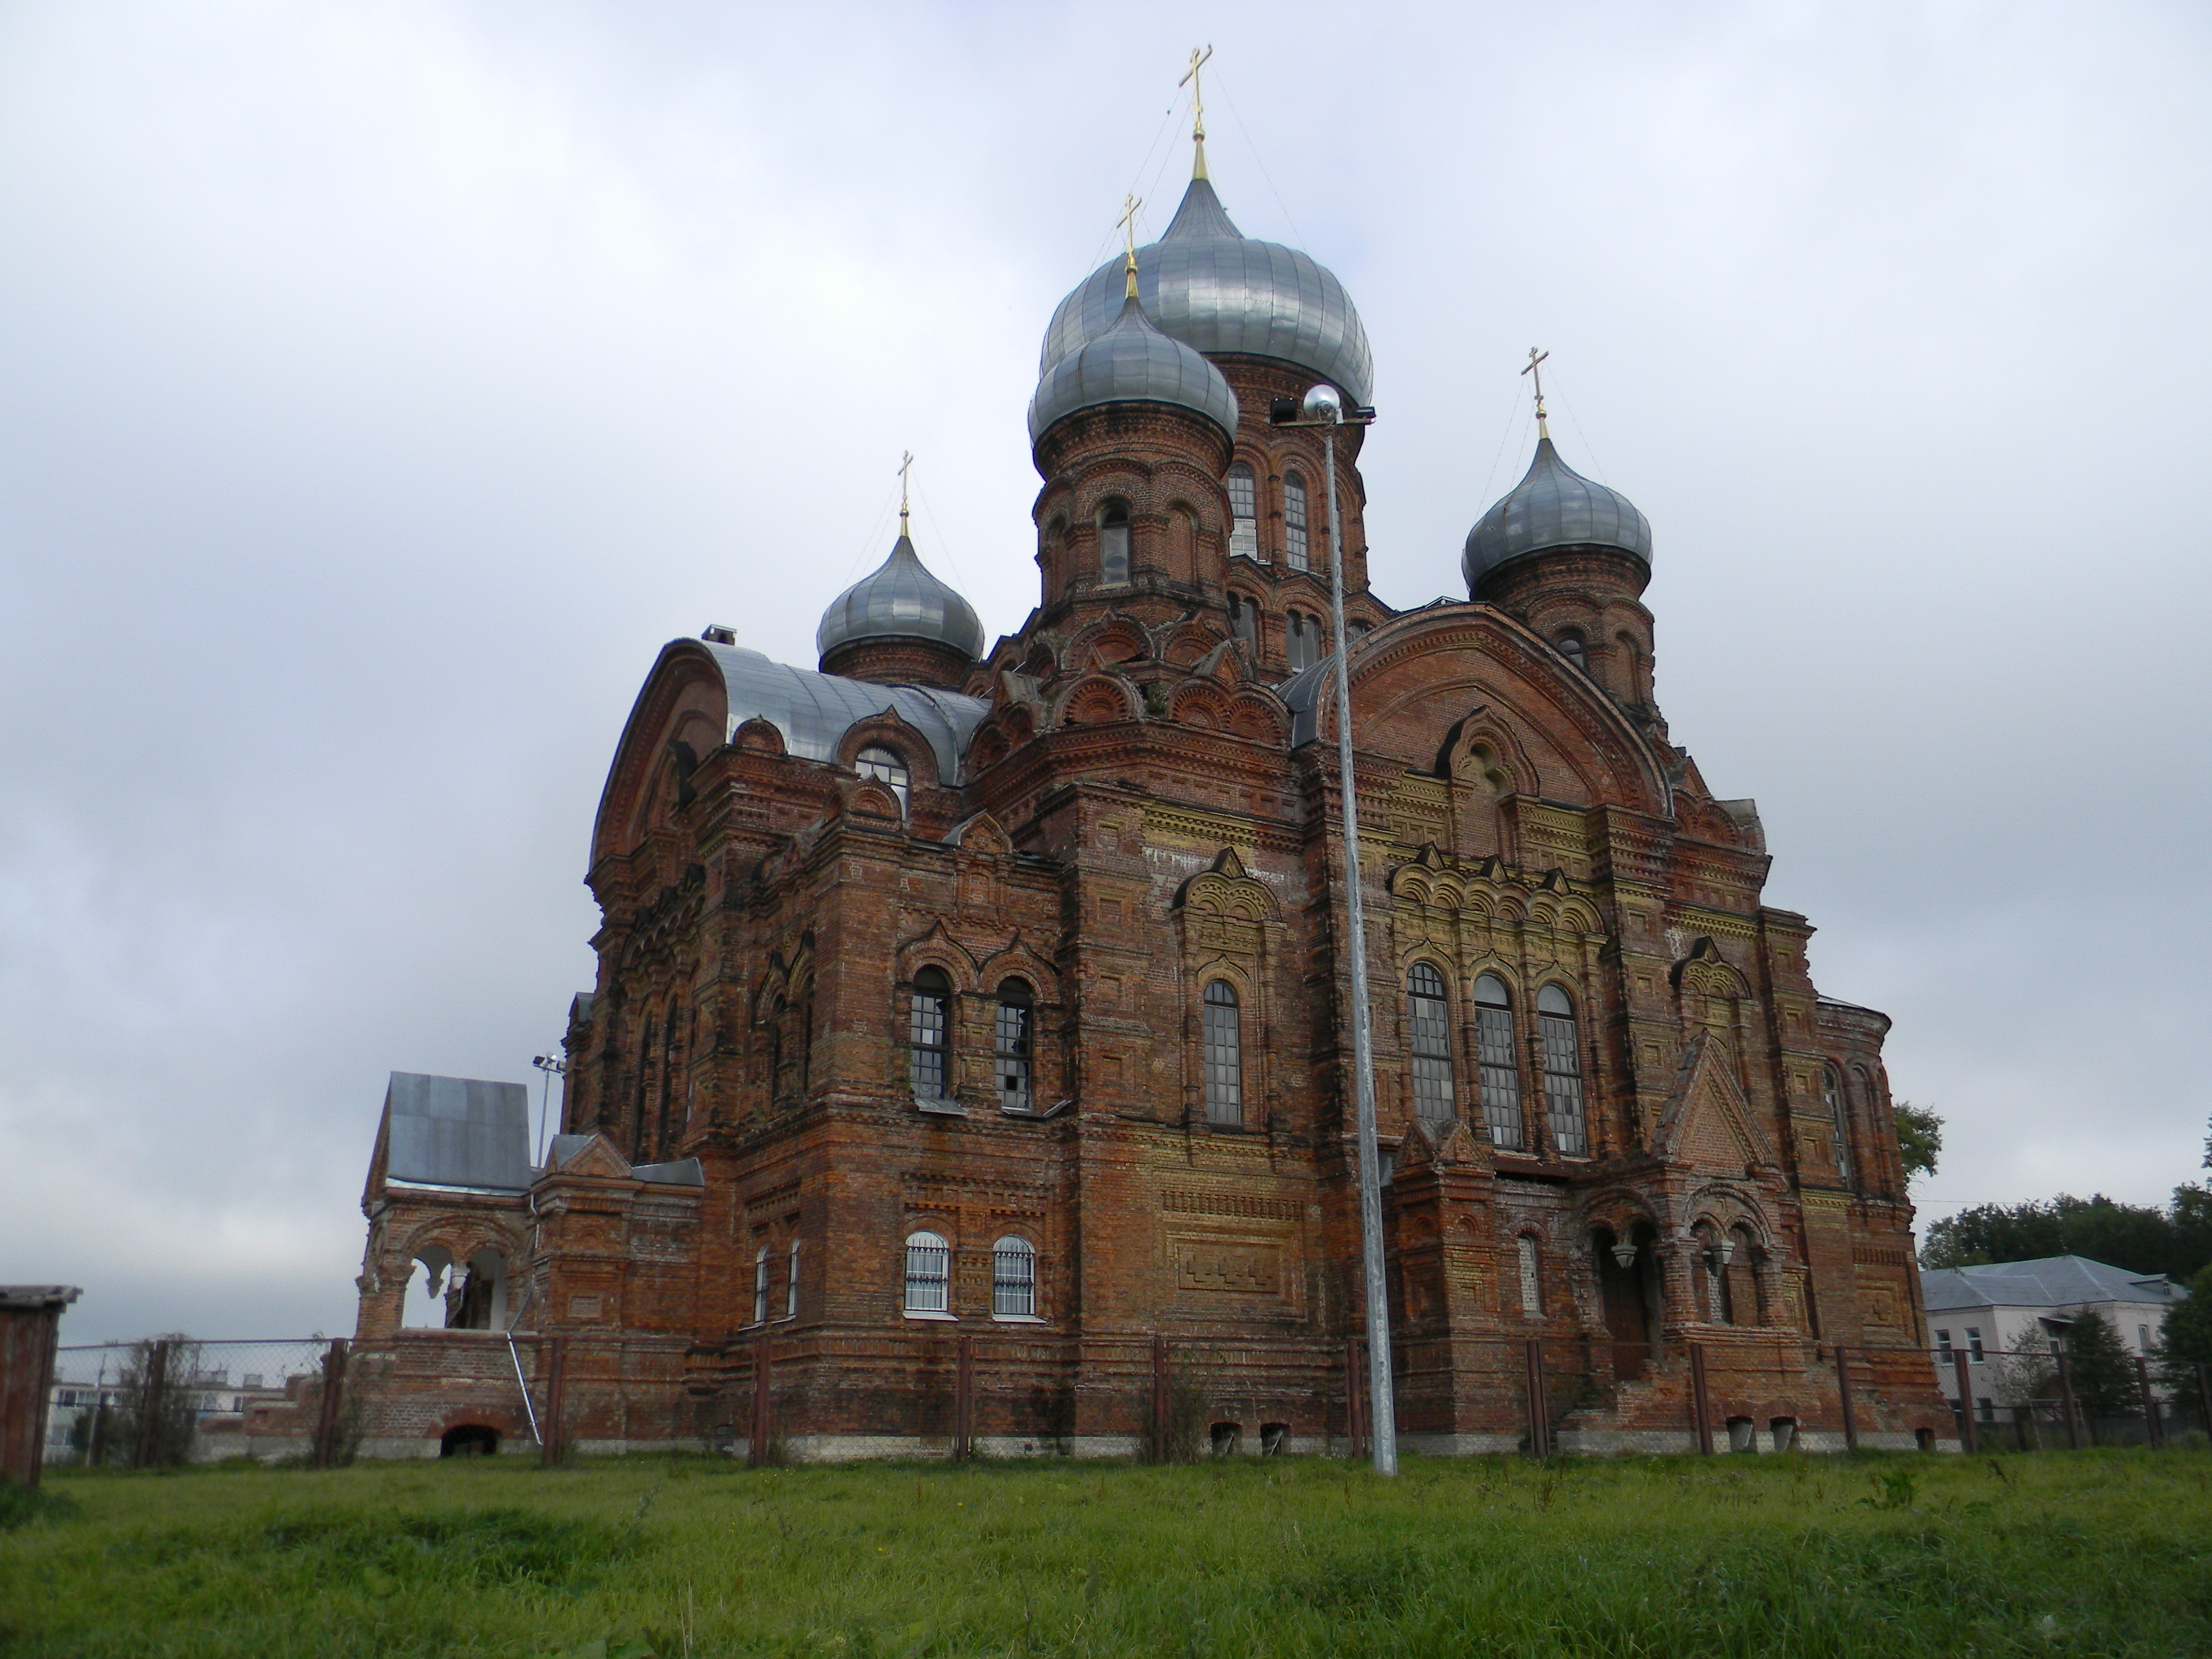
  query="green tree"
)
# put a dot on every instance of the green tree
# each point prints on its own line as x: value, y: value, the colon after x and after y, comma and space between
x: 2102, y: 1370
x: 1919, y: 1137
x: 2142, y: 1238
x: 2185, y: 1342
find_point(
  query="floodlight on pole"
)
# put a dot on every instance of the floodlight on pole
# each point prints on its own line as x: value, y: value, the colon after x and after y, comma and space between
x: 552, y: 1066
x: 1324, y: 408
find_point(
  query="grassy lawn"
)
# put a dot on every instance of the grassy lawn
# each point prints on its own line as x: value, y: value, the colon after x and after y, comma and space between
x: 2093, y: 1553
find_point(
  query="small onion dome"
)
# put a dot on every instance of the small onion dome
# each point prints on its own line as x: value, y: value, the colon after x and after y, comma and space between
x: 1206, y: 284
x: 1554, y: 506
x: 1132, y: 363
x: 901, y: 600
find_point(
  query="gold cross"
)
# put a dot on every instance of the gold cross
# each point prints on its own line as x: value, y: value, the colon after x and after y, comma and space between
x: 1197, y: 98
x: 1535, y: 369
x: 905, y: 465
x: 1128, y: 223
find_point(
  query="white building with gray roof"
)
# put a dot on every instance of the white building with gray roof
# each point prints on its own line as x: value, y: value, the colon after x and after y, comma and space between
x: 2002, y: 1307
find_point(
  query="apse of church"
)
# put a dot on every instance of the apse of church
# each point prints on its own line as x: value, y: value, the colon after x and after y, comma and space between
x: 997, y: 989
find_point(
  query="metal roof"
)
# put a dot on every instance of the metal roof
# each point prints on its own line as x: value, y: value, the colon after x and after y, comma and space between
x: 1554, y: 506
x: 1207, y: 284
x: 1132, y: 363
x: 900, y: 600
x: 814, y: 711
x: 2050, y: 1281
x: 457, y: 1131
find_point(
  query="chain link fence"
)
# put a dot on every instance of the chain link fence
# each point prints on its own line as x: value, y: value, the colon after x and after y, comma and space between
x: 173, y: 1399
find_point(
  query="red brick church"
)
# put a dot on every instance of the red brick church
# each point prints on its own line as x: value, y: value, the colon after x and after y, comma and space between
x: 1000, y: 990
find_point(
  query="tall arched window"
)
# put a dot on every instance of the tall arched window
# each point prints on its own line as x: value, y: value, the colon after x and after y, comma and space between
x: 1428, y: 1023
x: 1244, y: 619
x: 1013, y: 1044
x: 671, y: 1061
x: 1114, y: 542
x: 1301, y: 640
x: 1532, y: 1281
x: 886, y: 766
x: 760, y: 1285
x: 1713, y: 1253
x: 1013, y: 1279
x: 791, y: 1283
x: 928, y: 1275
x: 1563, y: 1072
x: 1243, y: 511
x: 1499, y: 1065
x: 1294, y: 521
x: 1224, y: 1056
x: 928, y: 1034
x: 1831, y: 1088
x: 1571, y: 647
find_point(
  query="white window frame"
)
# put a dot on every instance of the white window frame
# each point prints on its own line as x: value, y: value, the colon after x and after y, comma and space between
x: 1014, y: 1281
x: 928, y: 1262
x: 760, y: 1285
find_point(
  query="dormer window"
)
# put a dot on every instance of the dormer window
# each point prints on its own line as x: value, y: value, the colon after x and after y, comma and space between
x: 1294, y: 521
x: 1114, y: 543
x: 886, y: 766
x: 1243, y: 511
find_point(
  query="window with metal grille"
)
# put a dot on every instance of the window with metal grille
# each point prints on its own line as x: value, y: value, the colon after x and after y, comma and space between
x: 1532, y: 1285
x: 791, y: 1283
x: 1013, y: 1279
x: 1243, y: 511
x: 1012, y: 1046
x: 886, y: 766
x: 928, y: 1034
x: 1114, y: 542
x: 1499, y: 1065
x: 928, y: 1275
x: 1831, y: 1088
x: 1428, y: 1020
x: 1563, y: 1072
x: 1224, y: 1056
x: 760, y: 1285
x: 1294, y: 521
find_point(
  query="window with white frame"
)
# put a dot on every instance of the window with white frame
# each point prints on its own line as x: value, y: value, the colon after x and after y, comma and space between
x: 928, y: 1273
x: 1974, y: 1344
x: 1295, y: 542
x: 1563, y: 1072
x: 928, y: 1034
x: 1243, y: 510
x: 1013, y: 1279
x: 1499, y: 1065
x: 760, y: 1285
x: 886, y: 766
x: 1012, y: 1044
x: 790, y: 1282
x: 1943, y: 1345
x: 1428, y: 1029
x: 1224, y: 1056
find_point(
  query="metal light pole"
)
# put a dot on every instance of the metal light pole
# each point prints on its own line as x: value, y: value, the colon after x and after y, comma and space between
x: 1324, y: 408
x: 553, y: 1065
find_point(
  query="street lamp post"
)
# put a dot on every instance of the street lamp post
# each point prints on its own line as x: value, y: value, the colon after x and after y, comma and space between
x: 1324, y: 408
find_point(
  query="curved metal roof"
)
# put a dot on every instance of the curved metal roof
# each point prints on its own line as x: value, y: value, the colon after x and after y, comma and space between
x: 814, y: 711
x: 1206, y: 284
x: 900, y: 600
x: 1554, y: 506
x: 1132, y: 363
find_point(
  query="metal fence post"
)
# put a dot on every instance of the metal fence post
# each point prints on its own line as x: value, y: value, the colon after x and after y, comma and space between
x: 1539, y: 1427
x: 757, y: 1438
x: 326, y: 1421
x: 152, y: 1385
x: 2066, y: 1403
x: 2204, y: 1394
x: 1355, y: 1399
x: 1966, y: 1440
x: 1700, y: 1404
x: 1159, y: 1426
x: 2154, y: 1426
x: 556, y: 1395
x: 1843, y: 1395
x: 964, y: 1396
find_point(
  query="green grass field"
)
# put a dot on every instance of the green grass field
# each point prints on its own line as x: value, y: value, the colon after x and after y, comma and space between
x: 2094, y: 1552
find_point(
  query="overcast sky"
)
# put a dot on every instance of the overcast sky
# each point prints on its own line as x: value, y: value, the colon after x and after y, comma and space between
x: 381, y: 384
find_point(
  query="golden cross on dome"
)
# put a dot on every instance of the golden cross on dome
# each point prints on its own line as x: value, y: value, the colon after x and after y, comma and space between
x: 1197, y: 109
x: 1128, y: 223
x: 1535, y: 369
x: 905, y: 465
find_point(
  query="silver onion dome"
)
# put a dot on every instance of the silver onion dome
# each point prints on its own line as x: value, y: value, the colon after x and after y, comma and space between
x: 901, y: 600
x: 1554, y: 506
x: 1206, y: 284
x: 1132, y: 363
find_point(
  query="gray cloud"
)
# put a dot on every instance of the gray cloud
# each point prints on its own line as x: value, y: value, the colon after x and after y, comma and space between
x: 380, y: 385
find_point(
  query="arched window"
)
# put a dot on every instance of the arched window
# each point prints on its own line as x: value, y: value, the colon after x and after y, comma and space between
x: 1571, y: 647
x: 1499, y: 1065
x: 1831, y: 1088
x: 1713, y: 1257
x: 760, y: 1285
x: 1301, y: 640
x: 928, y: 1034
x: 1563, y: 1072
x: 1114, y: 542
x: 1013, y: 1044
x: 1224, y: 1056
x: 886, y: 766
x: 670, y: 1059
x: 790, y: 1282
x: 1244, y: 619
x: 1294, y: 521
x: 1428, y: 1022
x: 1243, y: 511
x: 928, y: 1275
x: 1013, y: 1279
x: 1532, y: 1282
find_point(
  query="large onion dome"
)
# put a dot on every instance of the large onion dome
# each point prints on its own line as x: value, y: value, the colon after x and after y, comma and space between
x: 901, y: 600
x: 1132, y: 363
x: 1554, y: 506
x: 1207, y: 284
